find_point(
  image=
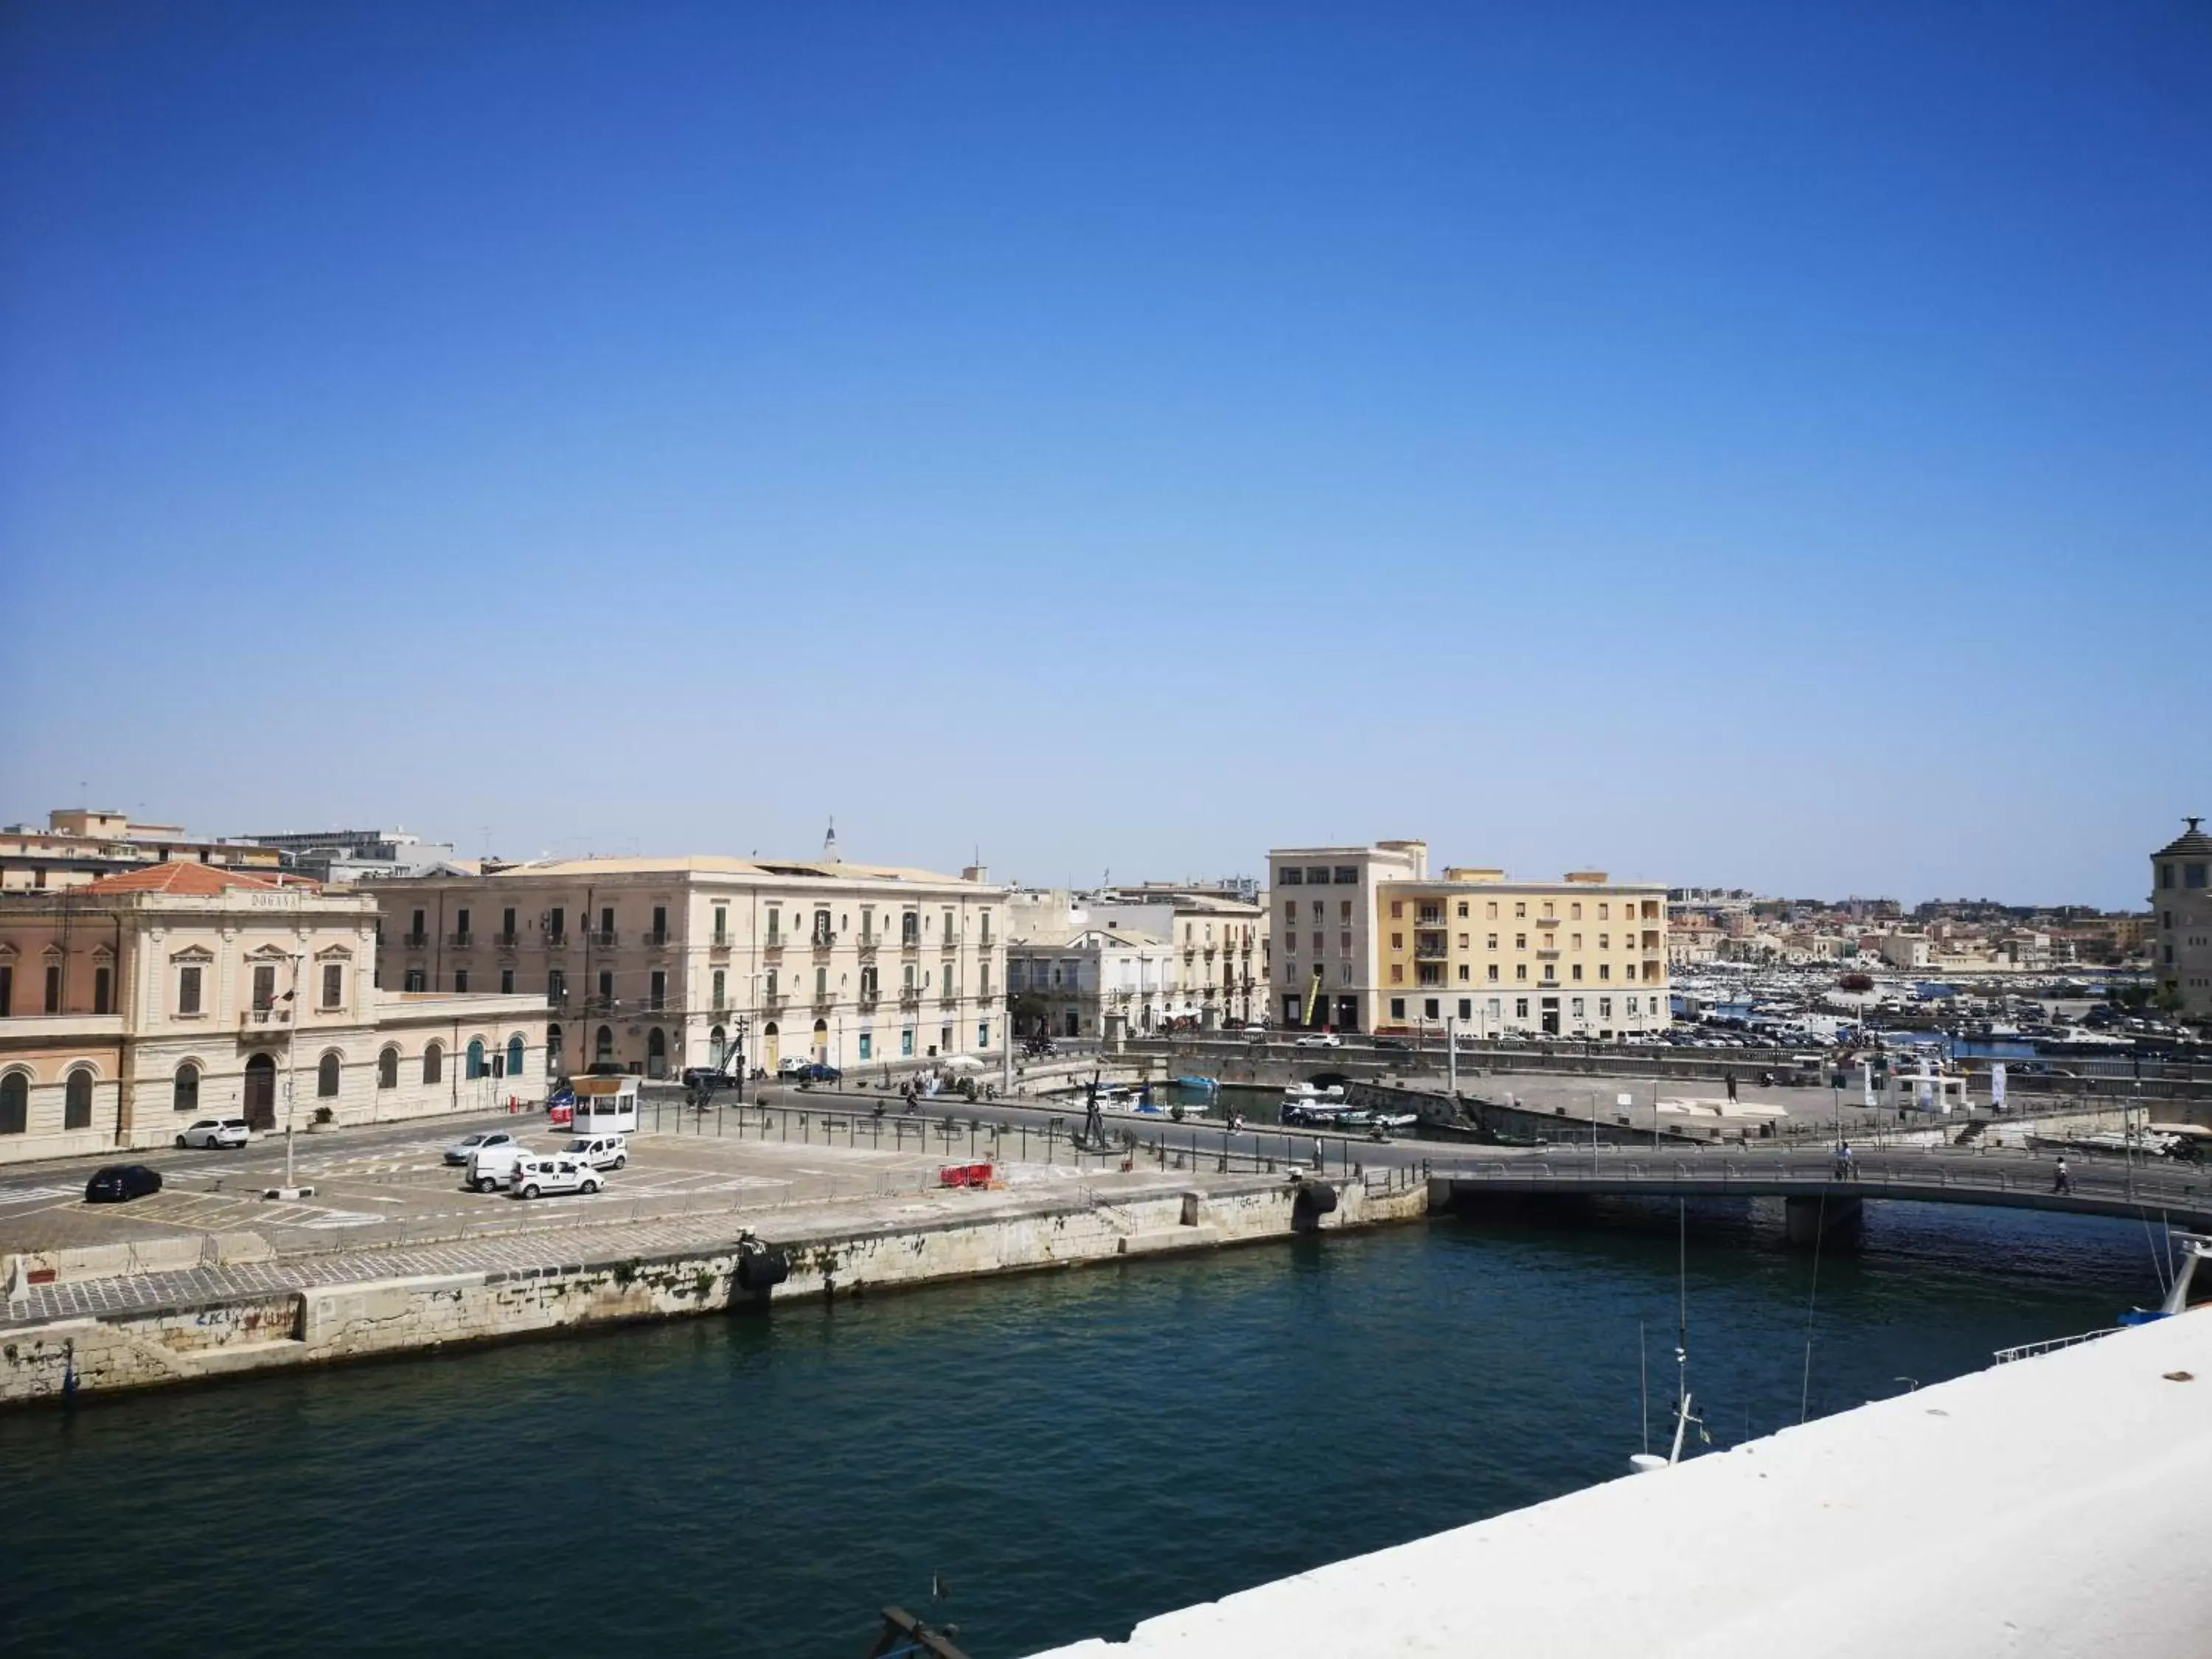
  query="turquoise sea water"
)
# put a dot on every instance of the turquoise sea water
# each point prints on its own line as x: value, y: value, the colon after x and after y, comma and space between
x: 1072, y: 1452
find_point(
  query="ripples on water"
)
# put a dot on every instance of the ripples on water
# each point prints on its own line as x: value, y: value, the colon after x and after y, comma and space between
x: 1073, y: 1452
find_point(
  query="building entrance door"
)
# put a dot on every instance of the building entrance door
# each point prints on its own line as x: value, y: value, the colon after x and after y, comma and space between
x: 261, y: 1092
x: 1551, y: 1015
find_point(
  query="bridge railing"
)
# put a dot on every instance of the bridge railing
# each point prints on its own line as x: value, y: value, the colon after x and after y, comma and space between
x: 1766, y: 1173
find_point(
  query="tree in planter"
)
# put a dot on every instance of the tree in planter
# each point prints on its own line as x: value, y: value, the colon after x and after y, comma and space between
x: 324, y: 1114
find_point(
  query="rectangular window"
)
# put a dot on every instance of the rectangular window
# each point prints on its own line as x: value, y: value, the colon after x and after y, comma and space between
x: 1493, y: 973
x: 507, y: 922
x: 1397, y: 908
x: 103, y: 992
x: 461, y: 923
x: 2193, y: 875
x: 867, y: 1045
x: 416, y: 930
x: 721, y: 984
x: 1576, y: 1010
x: 556, y: 921
x: 1493, y: 1009
x: 507, y: 981
x: 1288, y: 877
x: 657, y: 992
x: 822, y: 985
x: 460, y: 979
x: 1632, y: 1007
x: 1520, y: 1007
x: 1317, y: 875
x: 607, y: 918
x: 415, y: 981
x: 188, y: 990
x: 1397, y: 973
x: 983, y: 1036
x: 1347, y: 875
x: 721, y: 924
x: 53, y: 988
x: 1605, y: 970
x: 659, y: 921
x: 1604, y: 912
x: 1429, y: 1008
x: 1520, y: 970
x: 1520, y: 941
x: 1605, y: 1007
x: 1397, y: 1008
x: 333, y: 985
x: 1521, y: 908
x: 1463, y: 910
x: 607, y: 986
x: 770, y: 985
x: 986, y: 926
x: 1577, y: 942
x: 906, y: 1043
x: 556, y: 987
x: 265, y: 988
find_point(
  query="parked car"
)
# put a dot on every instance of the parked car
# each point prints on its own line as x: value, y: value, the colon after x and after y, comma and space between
x: 708, y: 1077
x: 492, y: 1167
x: 118, y: 1183
x: 534, y: 1176
x: 1397, y: 1045
x: 600, y: 1151
x: 1319, y: 1040
x: 817, y: 1073
x: 468, y: 1146
x: 791, y: 1066
x: 216, y: 1132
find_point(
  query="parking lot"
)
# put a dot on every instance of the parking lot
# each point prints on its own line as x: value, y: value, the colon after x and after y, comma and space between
x: 391, y: 1186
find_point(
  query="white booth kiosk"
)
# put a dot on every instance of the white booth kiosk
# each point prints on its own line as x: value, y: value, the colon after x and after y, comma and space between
x: 604, y: 1106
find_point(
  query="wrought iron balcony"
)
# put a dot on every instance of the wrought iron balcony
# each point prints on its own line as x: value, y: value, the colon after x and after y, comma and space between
x: 461, y: 941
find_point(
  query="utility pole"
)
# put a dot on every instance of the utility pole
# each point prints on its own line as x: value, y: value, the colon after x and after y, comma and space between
x: 292, y: 1066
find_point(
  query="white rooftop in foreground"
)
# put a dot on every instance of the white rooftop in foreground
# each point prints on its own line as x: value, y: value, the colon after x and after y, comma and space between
x: 2059, y: 1507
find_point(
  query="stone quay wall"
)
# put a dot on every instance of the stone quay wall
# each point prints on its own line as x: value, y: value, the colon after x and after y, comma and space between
x: 326, y: 1323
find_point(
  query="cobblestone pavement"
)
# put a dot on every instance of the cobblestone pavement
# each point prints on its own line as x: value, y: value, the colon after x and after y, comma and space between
x: 562, y: 1246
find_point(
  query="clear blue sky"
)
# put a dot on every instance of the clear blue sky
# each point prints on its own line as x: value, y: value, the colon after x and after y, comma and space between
x: 1741, y: 443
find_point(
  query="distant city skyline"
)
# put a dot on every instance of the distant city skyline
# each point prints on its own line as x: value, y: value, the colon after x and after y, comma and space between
x: 1723, y: 444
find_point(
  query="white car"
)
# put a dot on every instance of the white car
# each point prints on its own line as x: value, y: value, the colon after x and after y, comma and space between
x: 216, y: 1132
x: 600, y: 1151
x: 791, y: 1066
x: 562, y: 1174
x: 468, y: 1146
x: 492, y: 1167
x: 1319, y: 1040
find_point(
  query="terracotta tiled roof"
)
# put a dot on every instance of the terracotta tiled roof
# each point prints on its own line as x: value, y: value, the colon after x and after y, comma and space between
x: 188, y: 877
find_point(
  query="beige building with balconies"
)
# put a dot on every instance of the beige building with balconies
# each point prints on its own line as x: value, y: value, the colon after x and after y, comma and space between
x: 1385, y: 947
x: 131, y: 1006
x: 657, y: 965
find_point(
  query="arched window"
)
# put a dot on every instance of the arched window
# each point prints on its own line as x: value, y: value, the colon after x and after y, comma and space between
x: 387, y: 1069
x: 552, y: 1050
x: 14, y: 1104
x: 717, y: 1041
x: 476, y: 1065
x: 603, y: 1048
x: 76, y: 1100
x: 326, y: 1079
x: 184, y: 1092
x: 434, y: 1063
x: 656, y: 1053
x: 514, y: 1051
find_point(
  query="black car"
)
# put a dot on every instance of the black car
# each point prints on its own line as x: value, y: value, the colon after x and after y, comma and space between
x: 815, y: 1072
x: 118, y: 1183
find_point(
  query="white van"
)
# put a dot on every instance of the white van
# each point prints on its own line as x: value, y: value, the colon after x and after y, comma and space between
x: 536, y: 1175
x: 600, y: 1151
x: 491, y: 1167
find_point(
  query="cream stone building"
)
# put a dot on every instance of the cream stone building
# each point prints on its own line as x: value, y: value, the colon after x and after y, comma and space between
x: 1384, y: 946
x: 1219, y: 946
x: 79, y: 846
x: 657, y: 965
x: 131, y: 1006
x: 2181, y: 900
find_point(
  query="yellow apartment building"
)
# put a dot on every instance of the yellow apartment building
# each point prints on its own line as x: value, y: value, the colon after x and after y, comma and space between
x: 1583, y: 957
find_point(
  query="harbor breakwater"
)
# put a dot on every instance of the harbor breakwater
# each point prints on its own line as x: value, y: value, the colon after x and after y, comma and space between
x: 188, y: 1342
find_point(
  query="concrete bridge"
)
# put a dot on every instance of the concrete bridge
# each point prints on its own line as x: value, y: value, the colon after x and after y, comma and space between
x: 2175, y: 1192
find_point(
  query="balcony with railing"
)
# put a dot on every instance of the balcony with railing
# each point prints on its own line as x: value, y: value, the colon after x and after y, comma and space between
x: 1547, y: 953
x: 414, y: 941
x: 278, y: 1014
x: 773, y: 1002
x: 557, y: 941
x: 772, y: 946
x: 909, y: 998
x: 506, y: 941
x: 821, y: 941
x: 1431, y: 947
x: 606, y: 938
x: 460, y: 941
x: 867, y: 943
x: 719, y: 943
x: 654, y: 939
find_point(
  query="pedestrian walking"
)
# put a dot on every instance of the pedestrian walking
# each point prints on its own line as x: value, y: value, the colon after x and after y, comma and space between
x: 1729, y: 1079
x: 2062, y: 1181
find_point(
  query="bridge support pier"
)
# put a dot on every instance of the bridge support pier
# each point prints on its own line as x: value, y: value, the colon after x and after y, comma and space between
x: 1809, y: 1219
